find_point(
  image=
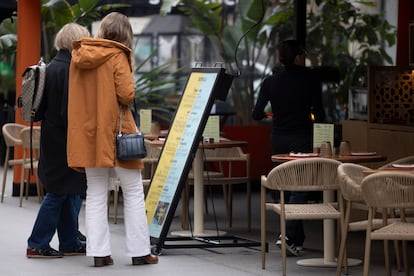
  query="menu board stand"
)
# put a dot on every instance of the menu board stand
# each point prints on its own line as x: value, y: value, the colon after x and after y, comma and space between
x: 204, y: 85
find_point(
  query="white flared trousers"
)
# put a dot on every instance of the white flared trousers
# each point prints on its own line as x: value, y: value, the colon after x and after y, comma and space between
x: 96, y: 217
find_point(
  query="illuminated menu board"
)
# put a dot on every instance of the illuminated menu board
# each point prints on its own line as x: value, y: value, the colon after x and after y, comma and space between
x: 179, y: 148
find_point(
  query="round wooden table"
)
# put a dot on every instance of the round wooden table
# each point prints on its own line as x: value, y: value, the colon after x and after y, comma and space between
x: 389, y: 169
x: 356, y: 158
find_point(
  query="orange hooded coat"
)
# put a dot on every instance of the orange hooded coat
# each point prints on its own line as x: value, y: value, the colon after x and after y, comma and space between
x: 100, y: 80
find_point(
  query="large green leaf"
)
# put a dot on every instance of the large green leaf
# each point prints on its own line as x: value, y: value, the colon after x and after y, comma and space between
x: 88, y: 5
x: 56, y: 13
x: 7, y: 41
x: 9, y: 26
x: 167, y: 6
x: 257, y: 9
x: 206, y: 17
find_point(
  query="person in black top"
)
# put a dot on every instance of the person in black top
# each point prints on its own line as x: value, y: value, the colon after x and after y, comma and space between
x: 294, y: 94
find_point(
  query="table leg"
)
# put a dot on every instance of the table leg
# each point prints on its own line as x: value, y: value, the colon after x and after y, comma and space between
x: 329, y: 232
x: 199, y: 231
x: 328, y: 259
x: 198, y: 171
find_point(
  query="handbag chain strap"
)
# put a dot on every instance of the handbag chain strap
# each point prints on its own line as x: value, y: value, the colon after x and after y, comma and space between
x: 120, y: 120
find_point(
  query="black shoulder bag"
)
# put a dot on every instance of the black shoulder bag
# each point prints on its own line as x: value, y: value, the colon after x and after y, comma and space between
x: 130, y: 146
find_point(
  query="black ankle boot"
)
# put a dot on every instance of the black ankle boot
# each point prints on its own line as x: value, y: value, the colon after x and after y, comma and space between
x: 148, y: 259
x: 102, y: 261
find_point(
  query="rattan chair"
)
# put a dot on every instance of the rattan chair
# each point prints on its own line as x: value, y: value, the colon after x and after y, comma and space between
x: 30, y: 142
x: 395, y: 213
x: 388, y: 190
x: 12, y: 138
x: 308, y: 174
x: 350, y: 176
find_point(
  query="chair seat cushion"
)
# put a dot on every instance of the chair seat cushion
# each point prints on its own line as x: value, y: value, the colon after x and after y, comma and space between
x: 306, y: 211
x: 362, y: 225
x: 395, y: 231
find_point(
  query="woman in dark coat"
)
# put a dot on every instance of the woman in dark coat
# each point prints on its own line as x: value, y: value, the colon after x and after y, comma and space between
x: 64, y: 186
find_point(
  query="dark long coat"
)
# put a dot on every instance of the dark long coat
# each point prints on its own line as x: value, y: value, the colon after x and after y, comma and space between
x: 293, y: 94
x: 53, y: 171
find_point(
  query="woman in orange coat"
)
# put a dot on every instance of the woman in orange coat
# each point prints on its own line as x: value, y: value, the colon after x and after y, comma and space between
x: 101, y: 85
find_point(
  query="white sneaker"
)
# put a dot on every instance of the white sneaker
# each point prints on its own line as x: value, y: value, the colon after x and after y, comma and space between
x: 291, y: 248
x: 279, y: 241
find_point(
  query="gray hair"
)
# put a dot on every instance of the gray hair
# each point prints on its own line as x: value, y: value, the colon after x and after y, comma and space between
x: 69, y: 33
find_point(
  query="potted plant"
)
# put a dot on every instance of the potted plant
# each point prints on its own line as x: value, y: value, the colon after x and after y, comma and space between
x: 8, y: 42
x: 339, y: 35
x: 55, y: 14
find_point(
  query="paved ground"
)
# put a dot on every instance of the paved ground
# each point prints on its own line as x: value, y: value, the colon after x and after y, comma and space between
x: 17, y: 223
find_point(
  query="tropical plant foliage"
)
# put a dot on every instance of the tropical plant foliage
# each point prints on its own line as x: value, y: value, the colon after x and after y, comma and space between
x: 8, y: 43
x: 151, y: 87
x: 339, y: 34
x: 243, y: 44
x: 56, y: 13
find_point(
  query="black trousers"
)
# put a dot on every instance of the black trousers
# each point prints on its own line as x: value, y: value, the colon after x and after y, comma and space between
x: 285, y: 142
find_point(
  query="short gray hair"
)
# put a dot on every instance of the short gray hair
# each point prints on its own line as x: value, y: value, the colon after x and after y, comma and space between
x: 69, y: 33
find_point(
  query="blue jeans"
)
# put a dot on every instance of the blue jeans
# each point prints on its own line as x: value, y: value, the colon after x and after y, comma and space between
x: 77, y: 205
x: 57, y: 212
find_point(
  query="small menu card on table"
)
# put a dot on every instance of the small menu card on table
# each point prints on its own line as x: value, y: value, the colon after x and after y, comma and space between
x: 212, y: 128
x: 323, y: 133
x: 145, y: 120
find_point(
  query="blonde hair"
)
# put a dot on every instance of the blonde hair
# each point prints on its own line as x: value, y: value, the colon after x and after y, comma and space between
x: 115, y: 26
x: 69, y: 33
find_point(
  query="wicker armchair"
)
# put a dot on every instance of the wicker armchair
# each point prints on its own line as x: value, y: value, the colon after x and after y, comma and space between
x: 350, y: 176
x: 30, y: 142
x: 388, y: 190
x: 311, y: 174
x: 12, y: 138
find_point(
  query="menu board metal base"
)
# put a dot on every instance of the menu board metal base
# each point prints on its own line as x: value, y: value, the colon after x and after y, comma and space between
x: 205, y: 233
x: 206, y: 242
